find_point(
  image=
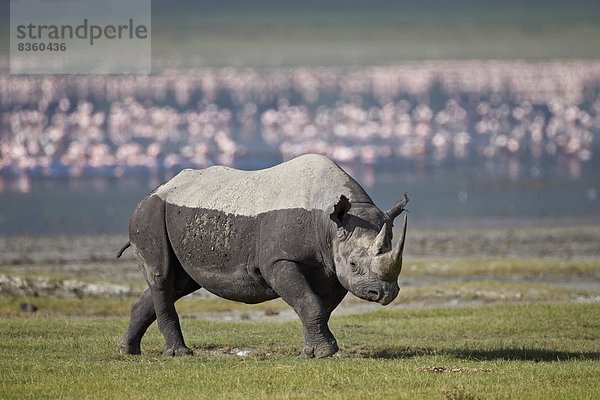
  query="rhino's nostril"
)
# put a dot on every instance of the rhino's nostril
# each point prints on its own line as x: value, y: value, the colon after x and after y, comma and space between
x: 374, y: 295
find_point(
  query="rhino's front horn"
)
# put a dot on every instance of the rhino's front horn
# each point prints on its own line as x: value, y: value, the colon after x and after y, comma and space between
x: 397, y: 209
x: 393, y: 260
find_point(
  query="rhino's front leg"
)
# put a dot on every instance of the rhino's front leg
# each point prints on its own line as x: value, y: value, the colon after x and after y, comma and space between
x: 288, y: 281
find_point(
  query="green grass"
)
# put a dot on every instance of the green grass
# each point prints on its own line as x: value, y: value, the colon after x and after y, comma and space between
x: 528, y: 339
x: 502, y: 267
x: 105, y: 307
x: 505, y: 351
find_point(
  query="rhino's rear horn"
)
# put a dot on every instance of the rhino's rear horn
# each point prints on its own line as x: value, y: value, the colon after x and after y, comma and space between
x: 378, y: 245
x: 397, y: 209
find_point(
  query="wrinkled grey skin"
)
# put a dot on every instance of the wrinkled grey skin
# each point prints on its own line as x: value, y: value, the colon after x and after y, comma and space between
x: 307, y: 254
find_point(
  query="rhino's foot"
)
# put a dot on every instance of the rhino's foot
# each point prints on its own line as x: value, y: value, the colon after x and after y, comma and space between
x: 178, y: 351
x: 320, y: 350
x: 128, y: 346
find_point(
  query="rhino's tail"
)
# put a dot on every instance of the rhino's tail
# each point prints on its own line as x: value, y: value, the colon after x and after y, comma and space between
x: 123, y: 248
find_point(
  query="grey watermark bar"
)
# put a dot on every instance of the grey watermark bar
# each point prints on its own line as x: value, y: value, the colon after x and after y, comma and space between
x: 80, y: 37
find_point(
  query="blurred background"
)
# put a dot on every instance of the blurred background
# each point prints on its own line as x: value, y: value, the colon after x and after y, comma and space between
x: 486, y: 113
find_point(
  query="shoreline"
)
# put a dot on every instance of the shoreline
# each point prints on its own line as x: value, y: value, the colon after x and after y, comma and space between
x: 562, y: 241
x: 81, y: 276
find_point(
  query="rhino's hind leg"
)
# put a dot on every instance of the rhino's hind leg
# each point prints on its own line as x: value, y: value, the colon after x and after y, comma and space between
x: 151, y: 246
x: 143, y: 315
x: 168, y: 321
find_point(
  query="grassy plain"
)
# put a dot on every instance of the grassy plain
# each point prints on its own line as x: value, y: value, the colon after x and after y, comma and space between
x: 536, y: 351
x: 478, y: 326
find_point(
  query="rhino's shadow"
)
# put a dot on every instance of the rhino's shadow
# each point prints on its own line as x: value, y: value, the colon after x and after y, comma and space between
x: 509, y: 354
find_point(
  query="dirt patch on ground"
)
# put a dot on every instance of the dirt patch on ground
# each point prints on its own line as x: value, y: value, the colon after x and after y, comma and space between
x: 460, y: 370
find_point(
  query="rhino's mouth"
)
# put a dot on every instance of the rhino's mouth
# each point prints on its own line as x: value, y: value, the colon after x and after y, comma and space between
x: 377, y: 291
x: 384, y: 294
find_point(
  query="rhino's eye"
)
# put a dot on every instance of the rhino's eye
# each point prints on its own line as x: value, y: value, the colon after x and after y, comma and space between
x: 353, y: 266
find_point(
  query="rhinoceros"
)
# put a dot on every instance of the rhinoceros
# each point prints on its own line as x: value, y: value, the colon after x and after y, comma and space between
x: 303, y: 230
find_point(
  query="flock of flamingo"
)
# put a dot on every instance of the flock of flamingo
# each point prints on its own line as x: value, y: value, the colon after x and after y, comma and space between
x: 427, y: 112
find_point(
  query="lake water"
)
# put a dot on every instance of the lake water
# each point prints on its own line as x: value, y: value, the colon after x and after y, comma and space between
x: 482, y: 195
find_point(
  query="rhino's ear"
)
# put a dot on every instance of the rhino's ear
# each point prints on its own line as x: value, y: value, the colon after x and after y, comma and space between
x: 340, y: 209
